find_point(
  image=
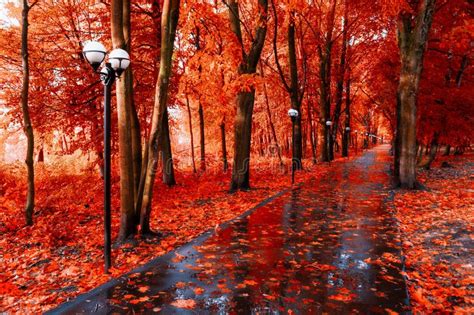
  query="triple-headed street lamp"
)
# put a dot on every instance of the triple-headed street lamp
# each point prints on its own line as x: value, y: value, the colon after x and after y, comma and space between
x: 118, y: 62
x: 293, y: 114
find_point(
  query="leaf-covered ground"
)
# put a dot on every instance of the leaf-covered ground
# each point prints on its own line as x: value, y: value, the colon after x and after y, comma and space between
x: 437, y: 228
x: 61, y: 255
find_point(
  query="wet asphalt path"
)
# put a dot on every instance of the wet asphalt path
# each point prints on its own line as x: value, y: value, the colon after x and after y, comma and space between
x: 329, y: 247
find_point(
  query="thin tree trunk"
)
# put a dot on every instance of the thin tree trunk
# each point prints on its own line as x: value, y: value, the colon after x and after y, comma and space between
x: 202, y: 138
x: 27, y: 125
x: 225, y: 165
x: 347, y: 124
x: 464, y: 64
x: 261, y: 150
x: 419, y: 153
x: 311, y: 131
x: 340, y: 81
x: 448, y: 150
x: 270, y: 119
x: 169, y: 22
x: 324, y: 109
x: 166, y: 153
x: 433, y: 151
x: 191, y: 133
x: 293, y: 87
x: 40, y: 158
x: 295, y: 97
x: 127, y: 184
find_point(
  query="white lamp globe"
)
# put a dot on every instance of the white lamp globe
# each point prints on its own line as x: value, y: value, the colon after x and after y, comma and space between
x: 328, y: 123
x: 348, y: 128
x: 293, y: 113
x: 119, y: 60
x: 94, y: 52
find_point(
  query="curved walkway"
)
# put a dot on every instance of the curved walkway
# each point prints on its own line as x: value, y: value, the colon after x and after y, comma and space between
x: 329, y: 246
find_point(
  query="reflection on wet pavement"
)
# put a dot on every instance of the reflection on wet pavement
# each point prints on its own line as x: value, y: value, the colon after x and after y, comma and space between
x: 330, y: 246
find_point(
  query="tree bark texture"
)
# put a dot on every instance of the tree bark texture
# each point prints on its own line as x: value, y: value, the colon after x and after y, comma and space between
x: 124, y: 110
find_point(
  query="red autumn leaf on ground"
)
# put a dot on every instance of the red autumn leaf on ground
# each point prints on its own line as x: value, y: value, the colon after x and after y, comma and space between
x: 187, y: 304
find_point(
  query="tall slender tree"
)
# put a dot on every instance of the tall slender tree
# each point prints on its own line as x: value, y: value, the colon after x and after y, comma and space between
x: 325, y: 59
x: 341, y: 74
x: 169, y: 23
x: 245, y: 99
x: 27, y: 124
x: 293, y: 87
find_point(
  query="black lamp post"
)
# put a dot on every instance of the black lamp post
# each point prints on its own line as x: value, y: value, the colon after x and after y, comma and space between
x: 119, y: 60
x: 329, y: 139
x: 348, y: 139
x: 293, y: 113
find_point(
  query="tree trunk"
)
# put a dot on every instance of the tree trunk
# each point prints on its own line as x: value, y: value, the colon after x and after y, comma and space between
x: 293, y: 87
x: 325, y: 88
x: 225, y: 165
x: 324, y: 109
x: 242, y: 138
x: 202, y: 138
x: 295, y: 97
x: 433, y: 151
x: 245, y: 100
x: 311, y: 131
x: 166, y: 153
x: 27, y: 125
x: 169, y: 22
x: 191, y: 133
x: 347, y: 124
x: 412, y: 37
x: 40, y: 158
x: 419, y: 154
x: 340, y: 82
x: 134, y: 120
x: 261, y: 150
x: 270, y: 119
x: 448, y: 150
x: 123, y: 94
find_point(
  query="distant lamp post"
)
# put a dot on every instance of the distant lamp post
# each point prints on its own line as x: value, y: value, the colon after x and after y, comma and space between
x: 293, y: 114
x: 119, y: 60
x: 328, y: 140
